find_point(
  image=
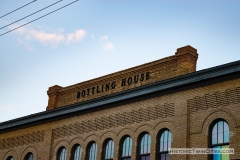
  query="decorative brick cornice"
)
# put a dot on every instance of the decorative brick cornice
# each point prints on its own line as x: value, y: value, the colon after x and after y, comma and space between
x: 120, y: 119
x: 214, y: 100
x: 21, y: 140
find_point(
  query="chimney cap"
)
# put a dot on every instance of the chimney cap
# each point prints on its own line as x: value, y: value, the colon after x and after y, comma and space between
x: 187, y: 50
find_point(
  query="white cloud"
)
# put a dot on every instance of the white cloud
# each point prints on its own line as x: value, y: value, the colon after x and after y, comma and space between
x: 106, y: 44
x: 104, y: 38
x: 77, y: 36
x: 52, y: 39
x: 48, y: 37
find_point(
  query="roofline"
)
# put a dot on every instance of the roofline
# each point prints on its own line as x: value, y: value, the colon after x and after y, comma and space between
x: 64, y: 112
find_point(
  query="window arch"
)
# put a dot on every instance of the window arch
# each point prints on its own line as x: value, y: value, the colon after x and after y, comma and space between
x: 108, y: 149
x: 144, y: 148
x: 164, y: 143
x: 10, y: 158
x: 219, y: 138
x: 29, y: 156
x: 92, y: 151
x: 126, y: 148
x: 62, y: 153
x: 76, y: 152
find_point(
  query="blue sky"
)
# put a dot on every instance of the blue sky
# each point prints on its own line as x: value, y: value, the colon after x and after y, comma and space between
x: 92, y: 38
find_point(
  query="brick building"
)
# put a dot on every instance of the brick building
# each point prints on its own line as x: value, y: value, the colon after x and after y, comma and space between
x: 135, y: 114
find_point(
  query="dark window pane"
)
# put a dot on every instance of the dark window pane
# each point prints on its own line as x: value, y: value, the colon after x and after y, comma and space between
x: 93, y: 151
x: 62, y: 154
x: 165, y: 141
x: 145, y: 144
x: 77, y: 153
x: 165, y: 144
x: 109, y: 149
x: 10, y: 158
x: 163, y: 157
x: 167, y: 156
x: 148, y: 157
x: 29, y: 156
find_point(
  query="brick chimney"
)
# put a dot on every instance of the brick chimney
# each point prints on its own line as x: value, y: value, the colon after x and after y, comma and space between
x: 187, y: 59
x: 52, y: 94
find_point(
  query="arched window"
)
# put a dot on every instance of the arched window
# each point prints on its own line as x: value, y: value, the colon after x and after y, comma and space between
x: 76, y: 152
x: 92, y: 151
x: 219, y: 138
x: 126, y: 149
x: 144, y: 150
x: 165, y: 140
x: 29, y: 156
x: 61, y: 155
x: 10, y: 158
x: 109, y: 149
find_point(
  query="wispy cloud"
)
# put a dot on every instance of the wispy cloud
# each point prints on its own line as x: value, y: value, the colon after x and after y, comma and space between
x: 106, y: 44
x: 92, y: 36
x: 26, y: 45
x: 76, y: 36
x: 104, y: 38
x: 48, y: 37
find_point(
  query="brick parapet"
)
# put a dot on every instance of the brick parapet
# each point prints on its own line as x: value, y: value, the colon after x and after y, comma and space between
x: 183, y: 62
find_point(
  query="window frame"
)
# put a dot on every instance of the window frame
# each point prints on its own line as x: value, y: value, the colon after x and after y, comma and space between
x: 10, y: 158
x: 140, y: 137
x: 89, y: 148
x: 105, y: 149
x: 121, y: 148
x: 160, y: 133
x: 210, y: 133
x: 74, y: 150
x: 60, y: 151
x: 27, y: 156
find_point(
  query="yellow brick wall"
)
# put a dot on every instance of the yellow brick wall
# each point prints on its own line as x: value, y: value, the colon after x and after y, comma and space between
x: 189, y: 129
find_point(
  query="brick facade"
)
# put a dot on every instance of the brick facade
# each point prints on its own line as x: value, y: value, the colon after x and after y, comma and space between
x: 187, y: 112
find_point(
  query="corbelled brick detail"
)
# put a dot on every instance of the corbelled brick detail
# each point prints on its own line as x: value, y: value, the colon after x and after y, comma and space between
x: 21, y: 140
x: 120, y: 119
